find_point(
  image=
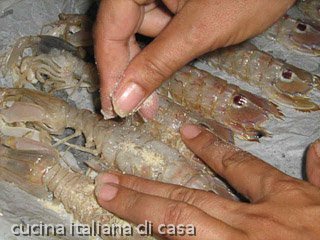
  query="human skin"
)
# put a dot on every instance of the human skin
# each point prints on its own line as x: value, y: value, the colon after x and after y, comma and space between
x: 184, y: 31
x: 279, y: 207
x: 313, y: 163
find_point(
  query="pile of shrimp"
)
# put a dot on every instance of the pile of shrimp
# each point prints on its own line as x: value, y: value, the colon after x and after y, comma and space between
x: 33, y: 122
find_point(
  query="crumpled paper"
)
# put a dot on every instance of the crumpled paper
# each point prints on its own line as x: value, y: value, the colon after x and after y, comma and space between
x: 284, y: 150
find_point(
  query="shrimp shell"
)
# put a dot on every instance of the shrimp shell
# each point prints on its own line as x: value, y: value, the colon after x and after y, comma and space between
x: 311, y: 8
x: 122, y: 146
x: 57, y: 70
x: 280, y: 82
x: 296, y: 34
x: 76, y: 193
x: 37, y: 171
x: 214, y: 98
x: 76, y: 29
x: 53, y: 62
x: 169, y: 119
x: 37, y: 45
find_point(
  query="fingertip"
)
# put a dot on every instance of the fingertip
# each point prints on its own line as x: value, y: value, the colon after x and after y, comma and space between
x: 127, y: 98
x: 190, y: 131
x: 313, y: 163
x: 316, y: 146
x: 106, y: 187
x: 105, y: 192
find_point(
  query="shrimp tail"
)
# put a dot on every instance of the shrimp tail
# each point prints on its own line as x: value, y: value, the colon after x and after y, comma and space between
x: 25, y: 168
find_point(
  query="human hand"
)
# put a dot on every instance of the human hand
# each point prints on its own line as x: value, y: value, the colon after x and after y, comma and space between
x: 313, y: 163
x: 280, y: 207
x: 188, y: 29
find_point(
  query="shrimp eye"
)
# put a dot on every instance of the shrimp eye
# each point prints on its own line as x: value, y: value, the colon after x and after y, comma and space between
x: 239, y: 100
x: 301, y: 27
x: 287, y: 74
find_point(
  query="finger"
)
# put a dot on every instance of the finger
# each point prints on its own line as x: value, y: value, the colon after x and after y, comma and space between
x: 245, y: 172
x: 175, y: 5
x: 154, y: 21
x: 139, y: 207
x: 134, y: 48
x: 112, y: 33
x: 199, y: 26
x: 165, y: 55
x: 208, y: 202
x: 313, y: 163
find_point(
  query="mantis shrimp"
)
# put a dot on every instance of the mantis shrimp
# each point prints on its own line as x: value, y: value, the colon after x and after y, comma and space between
x: 311, y: 8
x: 120, y: 145
x: 73, y: 28
x: 37, y: 171
x: 31, y: 119
x: 214, y: 98
x: 280, y: 82
x: 53, y: 62
x: 53, y: 70
x: 169, y: 119
x: 296, y: 34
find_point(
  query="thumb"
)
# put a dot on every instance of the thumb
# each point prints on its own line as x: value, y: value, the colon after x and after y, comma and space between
x: 199, y: 26
x: 313, y: 163
x: 175, y: 46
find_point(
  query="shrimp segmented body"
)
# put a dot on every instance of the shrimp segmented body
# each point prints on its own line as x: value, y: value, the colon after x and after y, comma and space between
x: 214, y: 98
x: 52, y: 62
x: 311, y: 8
x: 125, y: 147
x: 32, y: 162
x: 296, y: 34
x: 169, y: 119
x: 38, y: 172
x: 280, y: 82
x: 76, y: 29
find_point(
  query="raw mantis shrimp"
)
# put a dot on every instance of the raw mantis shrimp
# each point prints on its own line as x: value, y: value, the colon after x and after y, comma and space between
x: 170, y: 117
x: 226, y: 114
x: 280, y: 82
x: 53, y: 62
x: 121, y: 146
x: 296, y: 34
x: 214, y: 98
x: 30, y: 119
x: 37, y: 171
x: 76, y: 29
x: 311, y: 8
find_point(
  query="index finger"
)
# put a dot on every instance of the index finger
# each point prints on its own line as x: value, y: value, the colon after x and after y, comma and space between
x: 176, y: 45
x: 112, y: 34
x: 246, y: 173
x: 139, y: 207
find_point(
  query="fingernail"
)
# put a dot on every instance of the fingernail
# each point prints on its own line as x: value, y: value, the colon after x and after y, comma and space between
x: 190, y: 131
x: 104, y: 178
x: 128, y: 99
x: 107, y: 114
x: 106, y: 192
